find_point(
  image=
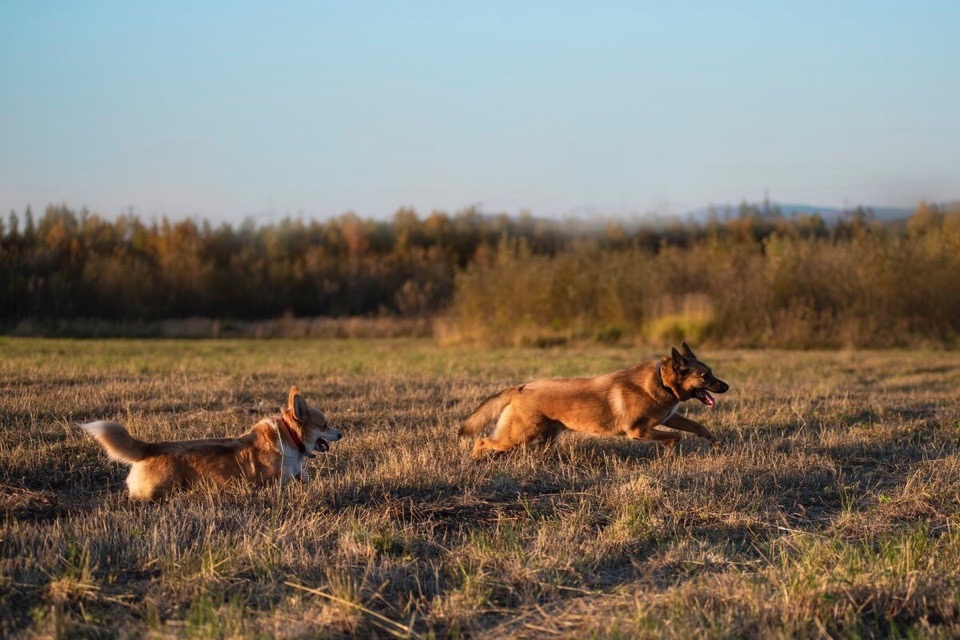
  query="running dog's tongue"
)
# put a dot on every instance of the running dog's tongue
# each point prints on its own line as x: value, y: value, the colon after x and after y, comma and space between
x: 708, y: 400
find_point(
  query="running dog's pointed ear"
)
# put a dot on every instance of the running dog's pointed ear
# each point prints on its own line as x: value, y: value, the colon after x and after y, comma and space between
x: 678, y: 362
x: 296, y: 404
x: 686, y: 352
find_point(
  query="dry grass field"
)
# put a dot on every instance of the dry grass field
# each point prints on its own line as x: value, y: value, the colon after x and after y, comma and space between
x: 832, y: 511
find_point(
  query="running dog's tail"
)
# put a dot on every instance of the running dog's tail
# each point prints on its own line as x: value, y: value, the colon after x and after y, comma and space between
x: 117, y: 441
x: 488, y: 411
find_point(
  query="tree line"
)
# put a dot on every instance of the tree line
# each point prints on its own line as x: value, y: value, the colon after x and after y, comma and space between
x: 750, y: 276
x: 72, y: 264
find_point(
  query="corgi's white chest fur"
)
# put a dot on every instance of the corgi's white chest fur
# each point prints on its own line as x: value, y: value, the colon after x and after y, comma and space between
x: 293, y: 466
x: 291, y: 462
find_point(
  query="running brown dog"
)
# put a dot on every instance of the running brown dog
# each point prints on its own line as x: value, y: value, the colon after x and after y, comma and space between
x: 631, y: 402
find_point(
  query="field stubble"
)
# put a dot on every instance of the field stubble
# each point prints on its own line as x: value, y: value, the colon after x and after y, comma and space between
x: 831, y: 511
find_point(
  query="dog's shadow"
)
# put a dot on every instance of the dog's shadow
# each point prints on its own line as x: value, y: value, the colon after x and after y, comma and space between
x: 590, y: 450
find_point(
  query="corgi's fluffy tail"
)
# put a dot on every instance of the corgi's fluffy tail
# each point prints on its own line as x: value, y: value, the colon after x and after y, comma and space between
x: 488, y: 411
x: 117, y: 441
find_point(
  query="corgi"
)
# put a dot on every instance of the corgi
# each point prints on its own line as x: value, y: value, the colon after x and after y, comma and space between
x: 274, y: 449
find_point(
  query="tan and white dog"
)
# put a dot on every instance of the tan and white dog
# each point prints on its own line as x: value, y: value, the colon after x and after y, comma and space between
x: 273, y: 449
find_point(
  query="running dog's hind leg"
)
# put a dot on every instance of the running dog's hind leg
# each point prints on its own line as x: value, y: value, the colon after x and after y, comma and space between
x: 502, y: 438
x: 484, y: 446
x: 514, y: 429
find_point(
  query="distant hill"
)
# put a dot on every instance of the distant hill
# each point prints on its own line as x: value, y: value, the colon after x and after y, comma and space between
x: 829, y: 214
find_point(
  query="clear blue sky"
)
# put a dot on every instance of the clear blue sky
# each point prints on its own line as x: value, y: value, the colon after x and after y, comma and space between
x: 231, y: 109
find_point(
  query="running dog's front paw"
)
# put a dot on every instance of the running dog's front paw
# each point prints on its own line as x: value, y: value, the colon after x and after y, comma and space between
x: 717, y: 445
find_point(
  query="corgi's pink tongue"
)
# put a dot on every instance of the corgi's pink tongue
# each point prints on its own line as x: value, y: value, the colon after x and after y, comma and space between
x: 708, y: 400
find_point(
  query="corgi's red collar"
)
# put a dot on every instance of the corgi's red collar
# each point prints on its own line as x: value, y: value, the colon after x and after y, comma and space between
x: 297, y: 442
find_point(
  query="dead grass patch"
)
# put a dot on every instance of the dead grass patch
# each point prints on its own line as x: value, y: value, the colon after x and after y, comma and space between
x: 832, y: 510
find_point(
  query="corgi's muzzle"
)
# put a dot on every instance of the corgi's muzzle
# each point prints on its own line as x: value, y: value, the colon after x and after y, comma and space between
x: 323, y: 442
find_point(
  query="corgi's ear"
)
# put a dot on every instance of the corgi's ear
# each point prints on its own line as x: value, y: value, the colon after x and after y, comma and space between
x: 686, y: 352
x: 297, y: 405
x: 678, y: 362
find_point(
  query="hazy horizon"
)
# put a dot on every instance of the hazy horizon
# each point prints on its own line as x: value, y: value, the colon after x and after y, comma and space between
x: 234, y: 110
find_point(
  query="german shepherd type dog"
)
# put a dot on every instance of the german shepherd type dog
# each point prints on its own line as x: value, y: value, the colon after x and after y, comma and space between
x: 632, y: 402
x: 273, y: 449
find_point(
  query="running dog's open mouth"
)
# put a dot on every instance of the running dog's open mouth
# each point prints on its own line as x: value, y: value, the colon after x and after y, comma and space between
x: 322, y: 445
x: 704, y: 396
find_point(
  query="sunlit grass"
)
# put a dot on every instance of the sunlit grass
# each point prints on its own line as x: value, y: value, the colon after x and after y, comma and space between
x: 832, y: 510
